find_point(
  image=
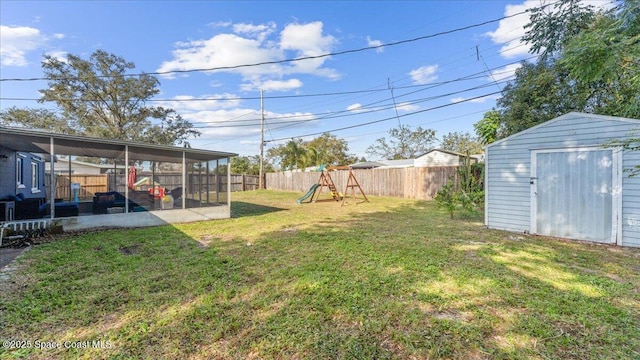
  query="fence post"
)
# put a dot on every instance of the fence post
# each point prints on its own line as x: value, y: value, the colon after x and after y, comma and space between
x: 244, y: 183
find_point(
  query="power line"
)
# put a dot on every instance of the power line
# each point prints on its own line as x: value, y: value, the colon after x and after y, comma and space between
x: 338, y: 53
x: 297, y: 96
x: 349, y: 113
x: 389, y: 118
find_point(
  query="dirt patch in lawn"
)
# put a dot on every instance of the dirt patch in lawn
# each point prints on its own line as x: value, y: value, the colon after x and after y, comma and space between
x: 7, y: 255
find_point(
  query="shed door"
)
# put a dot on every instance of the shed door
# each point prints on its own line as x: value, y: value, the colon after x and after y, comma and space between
x: 573, y: 194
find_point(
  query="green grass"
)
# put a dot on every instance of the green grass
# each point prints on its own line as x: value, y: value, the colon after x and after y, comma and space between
x: 388, y: 279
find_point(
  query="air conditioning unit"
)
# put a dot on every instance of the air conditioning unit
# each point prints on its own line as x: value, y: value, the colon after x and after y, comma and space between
x: 7, y: 210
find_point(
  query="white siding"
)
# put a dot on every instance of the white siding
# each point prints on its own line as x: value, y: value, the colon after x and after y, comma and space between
x: 508, y: 169
x: 437, y: 158
x: 630, y: 200
x: 63, y: 167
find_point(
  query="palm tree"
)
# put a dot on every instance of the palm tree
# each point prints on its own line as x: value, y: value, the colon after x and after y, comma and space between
x: 293, y: 153
x: 310, y: 157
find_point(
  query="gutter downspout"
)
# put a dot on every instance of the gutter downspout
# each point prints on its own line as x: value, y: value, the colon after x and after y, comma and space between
x: 126, y: 179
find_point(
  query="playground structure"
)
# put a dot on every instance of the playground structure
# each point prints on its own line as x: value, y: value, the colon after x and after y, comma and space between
x: 325, y: 180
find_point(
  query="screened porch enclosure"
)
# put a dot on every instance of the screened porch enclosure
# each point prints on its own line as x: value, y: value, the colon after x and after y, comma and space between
x: 109, y: 176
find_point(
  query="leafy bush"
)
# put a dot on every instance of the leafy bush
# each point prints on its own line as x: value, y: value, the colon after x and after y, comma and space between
x: 467, y: 193
x: 446, y: 198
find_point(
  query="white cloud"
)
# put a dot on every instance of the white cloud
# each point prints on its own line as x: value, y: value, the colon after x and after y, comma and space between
x: 59, y: 55
x: 251, y: 44
x: 407, y: 107
x: 308, y: 40
x: 424, y: 74
x: 259, y: 32
x: 221, y: 24
x: 357, y: 107
x: 212, y: 122
x: 222, y: 116
x: 224, y: 50
x: 16, y: 42
x: 274, y: 85
x: 189, y: 103
x: 511, y: 30
x: 371, y: 42
x: 504, y: 72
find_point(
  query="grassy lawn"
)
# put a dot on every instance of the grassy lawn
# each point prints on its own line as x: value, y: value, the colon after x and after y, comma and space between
x: 393, y: 278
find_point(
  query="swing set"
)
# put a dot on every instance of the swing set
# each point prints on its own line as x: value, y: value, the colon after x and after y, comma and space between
x: 325, y: 180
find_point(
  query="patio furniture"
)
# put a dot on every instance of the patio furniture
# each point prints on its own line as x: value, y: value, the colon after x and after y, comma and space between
x: 105, y: 200
x: 62, y: 209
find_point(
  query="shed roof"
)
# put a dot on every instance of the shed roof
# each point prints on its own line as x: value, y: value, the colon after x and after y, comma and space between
x: 565, y: 117
x: 39, y: 141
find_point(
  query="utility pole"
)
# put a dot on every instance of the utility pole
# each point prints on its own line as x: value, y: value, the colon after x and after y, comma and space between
x: 261, y: 179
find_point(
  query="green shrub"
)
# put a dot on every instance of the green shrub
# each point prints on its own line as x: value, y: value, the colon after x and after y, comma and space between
x: 446, y: 198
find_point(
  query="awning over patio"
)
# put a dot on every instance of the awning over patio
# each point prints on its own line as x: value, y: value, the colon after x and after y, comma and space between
x: 29, y: 140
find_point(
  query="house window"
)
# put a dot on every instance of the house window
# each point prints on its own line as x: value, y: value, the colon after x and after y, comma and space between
x: 19, y: 172
x: 35, y: 185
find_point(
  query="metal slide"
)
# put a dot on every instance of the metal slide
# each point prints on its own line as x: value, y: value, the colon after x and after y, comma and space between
x: 309, y: 193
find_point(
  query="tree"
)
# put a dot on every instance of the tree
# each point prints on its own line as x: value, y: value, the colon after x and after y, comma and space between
x: 99, y: 99
x: 487, y: 128
x: 403, y: 143
x: 329, y: 150
x: 540, y: 92
x: 44, y: 119
x: 589, y: 63
x: 606, y: 56
x: 461, y: 142
x: 325, y: 149
x: 550, y: 28
x: 289, y: 155
x: 249, y: 165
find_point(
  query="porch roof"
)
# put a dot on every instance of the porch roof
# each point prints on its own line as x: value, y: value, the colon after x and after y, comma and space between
x: 38, y: 141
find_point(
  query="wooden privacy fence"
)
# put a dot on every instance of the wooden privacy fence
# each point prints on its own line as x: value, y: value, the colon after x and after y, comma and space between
x: 90, y: 184
x: 414, y: 183
x: 194, y: 181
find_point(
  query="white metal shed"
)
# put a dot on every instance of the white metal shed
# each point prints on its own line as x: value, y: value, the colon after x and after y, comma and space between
x: 560, y: 179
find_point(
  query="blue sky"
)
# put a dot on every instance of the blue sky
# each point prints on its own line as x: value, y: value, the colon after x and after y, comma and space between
x: 443, y: 82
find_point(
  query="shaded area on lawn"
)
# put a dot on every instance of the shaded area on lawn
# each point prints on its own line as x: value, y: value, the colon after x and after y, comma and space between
x: 391, y: 279
x: 242, y: 209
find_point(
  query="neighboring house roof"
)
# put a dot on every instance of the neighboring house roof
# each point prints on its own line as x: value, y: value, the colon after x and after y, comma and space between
x: 397, y: 163
x: 366, y: 165
x: 402, y: 163
x: 443, y: 151
x: 479, y: 157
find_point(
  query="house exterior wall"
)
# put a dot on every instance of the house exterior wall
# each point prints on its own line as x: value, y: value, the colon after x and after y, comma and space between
x: 28, y: 188
x: 437, y: 158
x: 7, y: 172
x: 508, y: 169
